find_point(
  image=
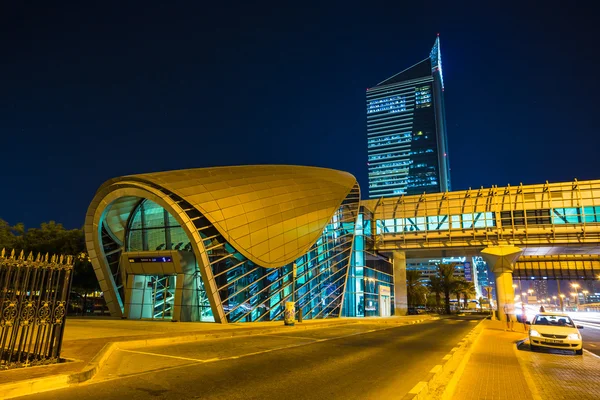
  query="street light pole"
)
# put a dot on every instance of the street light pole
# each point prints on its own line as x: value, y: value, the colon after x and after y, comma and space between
x: 576, y: 286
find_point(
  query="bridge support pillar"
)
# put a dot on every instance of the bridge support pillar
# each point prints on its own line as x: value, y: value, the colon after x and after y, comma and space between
x: 400, y: 299
x: 501, y: 260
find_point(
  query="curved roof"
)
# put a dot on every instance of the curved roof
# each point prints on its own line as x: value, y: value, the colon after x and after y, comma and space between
x: 271, y: 214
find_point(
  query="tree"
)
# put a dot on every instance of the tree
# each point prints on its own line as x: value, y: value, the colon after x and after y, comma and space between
x: 8, y: 237
x: 458, y: 288
x: 53, y: 238
x: 415, y: 291
x: 84, y: 278
x: 446, y: 274
x: 435, y: 286
x: 468, y: 290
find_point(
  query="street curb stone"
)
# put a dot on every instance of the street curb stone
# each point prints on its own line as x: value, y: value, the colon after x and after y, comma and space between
x: 422, y: 389
x: 54, y: 382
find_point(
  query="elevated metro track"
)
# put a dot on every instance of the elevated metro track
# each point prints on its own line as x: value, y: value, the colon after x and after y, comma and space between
x: 548, y: 219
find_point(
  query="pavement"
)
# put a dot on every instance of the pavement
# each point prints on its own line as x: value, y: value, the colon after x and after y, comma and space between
x: 89, y: 342
x: 364, y: 359
x: 502, y: 366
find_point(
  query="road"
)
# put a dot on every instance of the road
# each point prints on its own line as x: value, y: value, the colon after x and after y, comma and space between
x: 358, y: 361
x: 591, y: 330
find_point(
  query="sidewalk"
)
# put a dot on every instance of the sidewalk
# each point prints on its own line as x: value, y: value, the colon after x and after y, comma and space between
x: 498, y: 369
x: 89, y: 341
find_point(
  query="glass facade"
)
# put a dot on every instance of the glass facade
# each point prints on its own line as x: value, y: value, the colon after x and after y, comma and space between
x: 406, y: 142
x: 151, y: 227
x: 251, y: 293
x: 370, y: 288
x: 482, y: 276
x: 247, y: 291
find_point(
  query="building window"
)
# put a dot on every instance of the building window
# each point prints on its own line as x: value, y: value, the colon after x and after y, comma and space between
x: 392, y: 104
x: 423, y: 96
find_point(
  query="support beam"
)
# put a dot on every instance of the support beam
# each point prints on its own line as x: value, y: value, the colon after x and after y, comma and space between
x: 400, y: 300
x: 501, y: 260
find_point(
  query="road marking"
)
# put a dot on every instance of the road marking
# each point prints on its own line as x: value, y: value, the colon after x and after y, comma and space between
x: 210, y: 360
x: 287, y: 336
x: 591, y: 354
x: 162, y: 355
x: 421, y: 386
x: 589, y: 325
x: 436, y: 369
x: 593, y: 345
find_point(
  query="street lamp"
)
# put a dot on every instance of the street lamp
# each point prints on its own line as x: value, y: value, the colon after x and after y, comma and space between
x: 562, y: 302
x: 554, y: 298
x: 585, y: 292
x: 576, y: 286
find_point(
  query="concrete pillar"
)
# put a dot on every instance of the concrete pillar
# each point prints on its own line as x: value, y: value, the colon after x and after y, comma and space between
x: 501, y: 260
x: 400, y: 300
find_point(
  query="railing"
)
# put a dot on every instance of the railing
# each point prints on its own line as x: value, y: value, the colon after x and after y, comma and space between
x: 33, y: 303
x: 534, y: 215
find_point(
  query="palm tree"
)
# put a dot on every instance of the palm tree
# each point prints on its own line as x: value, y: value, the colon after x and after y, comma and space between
x: 458, y: 288
x: 415, y: 291
x: 435, y: 286
x: 468, y: 290
x: 446, y: 274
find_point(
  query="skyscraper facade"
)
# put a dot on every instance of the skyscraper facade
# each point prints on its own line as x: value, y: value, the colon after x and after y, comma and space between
x: 407, y: 144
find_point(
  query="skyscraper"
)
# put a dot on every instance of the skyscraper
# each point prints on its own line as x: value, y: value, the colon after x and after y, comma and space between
x: 406, y: 129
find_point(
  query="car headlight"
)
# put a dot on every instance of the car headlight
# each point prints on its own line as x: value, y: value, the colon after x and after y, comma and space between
x: 533, y: 332
x: 574, y: 336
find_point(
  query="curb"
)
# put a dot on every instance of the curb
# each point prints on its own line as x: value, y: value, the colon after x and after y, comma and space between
x: 457, y: 357
x: 54, y: 382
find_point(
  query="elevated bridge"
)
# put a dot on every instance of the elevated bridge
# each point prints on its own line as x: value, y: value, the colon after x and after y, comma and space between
x: 550, y: 230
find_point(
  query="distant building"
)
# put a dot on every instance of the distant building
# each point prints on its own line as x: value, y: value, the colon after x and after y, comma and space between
x: 406, y: 129
x: 481, y: 276
x: 540, y: 288
x: 428, y: 267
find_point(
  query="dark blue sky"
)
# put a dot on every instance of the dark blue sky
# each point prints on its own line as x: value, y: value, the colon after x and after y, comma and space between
x: 89, y: 92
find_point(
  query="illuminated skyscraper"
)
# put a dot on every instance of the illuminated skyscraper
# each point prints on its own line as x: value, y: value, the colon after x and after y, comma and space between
x: 406, y: 126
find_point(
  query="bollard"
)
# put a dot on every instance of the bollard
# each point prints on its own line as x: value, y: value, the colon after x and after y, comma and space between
x: 300, y: 314
x: 288, y: 318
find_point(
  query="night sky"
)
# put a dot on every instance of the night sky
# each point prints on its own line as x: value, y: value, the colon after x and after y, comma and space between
x: 93, y: 91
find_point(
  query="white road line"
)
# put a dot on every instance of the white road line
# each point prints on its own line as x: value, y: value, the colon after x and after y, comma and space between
x: 284, y: 335
x: 202, y: 361
x: 162, y: 355
x: 588, y: 325
x: 591, y: 354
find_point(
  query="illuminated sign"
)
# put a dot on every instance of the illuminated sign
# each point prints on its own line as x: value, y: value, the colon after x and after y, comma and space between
x: 150, y: 259
x: 468, y: 272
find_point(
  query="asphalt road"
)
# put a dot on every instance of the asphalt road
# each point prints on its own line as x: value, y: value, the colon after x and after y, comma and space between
x: 359, y: 361
x: 590, y: 331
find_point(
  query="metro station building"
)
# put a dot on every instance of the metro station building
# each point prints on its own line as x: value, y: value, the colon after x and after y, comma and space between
x: 233, y: 244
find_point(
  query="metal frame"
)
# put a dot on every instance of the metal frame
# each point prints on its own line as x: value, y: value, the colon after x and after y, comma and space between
x: 515, y: 216
x: 33, y: 302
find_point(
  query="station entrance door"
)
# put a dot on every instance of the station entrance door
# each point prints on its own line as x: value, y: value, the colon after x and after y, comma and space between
x: 385, y: 304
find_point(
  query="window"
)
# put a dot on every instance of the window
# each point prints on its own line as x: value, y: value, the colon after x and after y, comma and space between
x: 567, y: 215
x: 392, y: 104
x: 423, y: 96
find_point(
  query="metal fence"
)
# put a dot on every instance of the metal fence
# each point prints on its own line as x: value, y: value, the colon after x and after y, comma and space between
x: 33, y: 300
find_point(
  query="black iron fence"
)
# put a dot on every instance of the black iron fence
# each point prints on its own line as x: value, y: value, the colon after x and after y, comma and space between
x: 33, y: 303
